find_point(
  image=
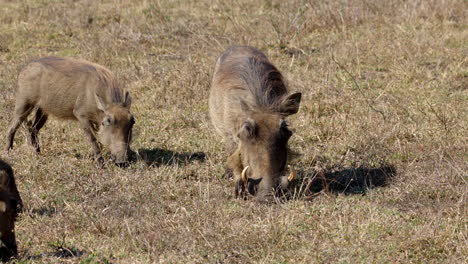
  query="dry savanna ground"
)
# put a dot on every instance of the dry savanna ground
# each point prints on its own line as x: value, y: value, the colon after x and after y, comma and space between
x: 380, y: 138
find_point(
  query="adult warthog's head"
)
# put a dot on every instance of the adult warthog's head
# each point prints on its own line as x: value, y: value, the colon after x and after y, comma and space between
x: 116, y: 128
x: 263, y: 149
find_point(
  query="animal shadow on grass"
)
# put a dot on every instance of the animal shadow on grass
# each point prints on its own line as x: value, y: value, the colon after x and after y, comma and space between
x: 44, y: 211
x: 357, y: 180
x: 157, y: 157
x: 59, y: 251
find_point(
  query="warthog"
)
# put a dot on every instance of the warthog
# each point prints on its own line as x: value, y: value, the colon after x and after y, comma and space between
x: 10, y: 206
x: 79, y: 90
x: 248, y: 106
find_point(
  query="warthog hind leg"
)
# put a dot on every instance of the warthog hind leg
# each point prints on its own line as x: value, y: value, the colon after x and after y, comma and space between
x: 22, y: 110
x: 38, y: 123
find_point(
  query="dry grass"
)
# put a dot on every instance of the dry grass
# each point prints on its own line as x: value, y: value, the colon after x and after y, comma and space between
x: 384, y: 84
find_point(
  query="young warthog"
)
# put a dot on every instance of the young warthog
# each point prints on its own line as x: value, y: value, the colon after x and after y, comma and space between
x: 10, y: 206
x: 248, y: 104
x: 75, y: 89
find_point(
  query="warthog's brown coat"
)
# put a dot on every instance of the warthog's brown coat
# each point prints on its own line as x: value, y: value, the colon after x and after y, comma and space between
x: 7, y: 226
x: 10, y: 206
x: 7, y: 182
x: 75, y: 89
x: 248, y: 103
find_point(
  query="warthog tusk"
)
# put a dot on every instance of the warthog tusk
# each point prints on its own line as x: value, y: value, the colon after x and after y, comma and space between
x: 243, y: 176
x: 292, y: 173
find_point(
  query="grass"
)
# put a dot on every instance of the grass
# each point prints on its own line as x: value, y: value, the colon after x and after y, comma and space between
x: 380, y: 135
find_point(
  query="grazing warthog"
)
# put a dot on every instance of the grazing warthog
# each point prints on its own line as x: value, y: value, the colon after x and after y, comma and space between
x: 10, y: 206
x: 79, y: 90
x: 248, y: 106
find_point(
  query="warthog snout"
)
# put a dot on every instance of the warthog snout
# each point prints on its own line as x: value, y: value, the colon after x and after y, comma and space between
x: 279, y: 185
x: 123, y: 159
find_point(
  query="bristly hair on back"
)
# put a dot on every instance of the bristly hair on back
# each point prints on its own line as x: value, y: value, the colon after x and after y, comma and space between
x: 110, y: 81
x: 104, y: 75
x: 264, y: 81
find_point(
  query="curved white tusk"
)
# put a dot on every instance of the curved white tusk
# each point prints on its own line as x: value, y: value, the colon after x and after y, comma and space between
x: 243, y: 176
x: 292, y: 173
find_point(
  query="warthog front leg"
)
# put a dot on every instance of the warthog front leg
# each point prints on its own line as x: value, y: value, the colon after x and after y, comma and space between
x: 234, y: 164
x: 89, y: 129
x: 95, y: 145
x: 230, y: 147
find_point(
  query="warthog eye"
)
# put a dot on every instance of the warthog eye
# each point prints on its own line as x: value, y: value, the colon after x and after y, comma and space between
x: 107, y: 121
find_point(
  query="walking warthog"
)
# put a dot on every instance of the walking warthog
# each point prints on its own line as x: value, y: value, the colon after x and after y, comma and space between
x: 75, y: 89
x: 10, y: 206
x: 248, y: 104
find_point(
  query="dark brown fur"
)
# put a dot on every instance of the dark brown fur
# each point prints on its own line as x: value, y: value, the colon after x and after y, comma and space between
x: 10, y: 205
x: 7, y: 182
x: 79, y: 90
x: 248, y: 104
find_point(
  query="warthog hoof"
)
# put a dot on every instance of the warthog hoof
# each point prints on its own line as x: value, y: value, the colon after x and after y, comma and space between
x: 100, y: 162
x: 122, y: 164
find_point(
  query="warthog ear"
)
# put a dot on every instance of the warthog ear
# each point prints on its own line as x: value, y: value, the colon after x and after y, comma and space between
x: 290, y: 104
x: 101, y: 105
x: 127, y: 100
x: 247, y: 129
x: 3, y: 207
